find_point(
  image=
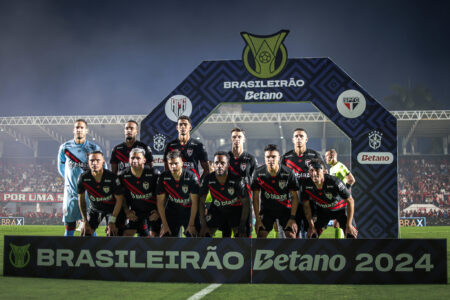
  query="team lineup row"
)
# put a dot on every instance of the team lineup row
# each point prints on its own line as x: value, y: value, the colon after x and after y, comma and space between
x: 135, y: 198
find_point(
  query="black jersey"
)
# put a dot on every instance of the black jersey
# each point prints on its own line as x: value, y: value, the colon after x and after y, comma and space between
x: 299, y: 164
x: 275, y: 189
x: 140, y: 192
x: 101, y: 194
x: 191, y: 154
x: 244, y: 165
x: 178, y: 192
x: 227, y: 194
x: 330, y: 197
x: 121, y: 154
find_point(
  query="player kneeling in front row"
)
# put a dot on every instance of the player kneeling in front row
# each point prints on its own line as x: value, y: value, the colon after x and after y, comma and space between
x: 140, y: 205
x: 177, y: 198
x: 105, y: 194
x: 278, y: 189
x: 230, y: 203
x: 332, y: 198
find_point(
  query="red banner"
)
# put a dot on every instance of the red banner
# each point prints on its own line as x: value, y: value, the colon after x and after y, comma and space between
x: 31, y: 197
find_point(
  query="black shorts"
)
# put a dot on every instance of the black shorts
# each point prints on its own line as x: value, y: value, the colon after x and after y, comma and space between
x: 95, y: 218
x: 143, y: 221
x: 324, y: 216
x: 269, y: 215
x: 179, y: 217
x: 229, y: 217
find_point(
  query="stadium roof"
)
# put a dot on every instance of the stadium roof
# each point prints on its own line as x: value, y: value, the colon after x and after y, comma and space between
x: 107, y: 130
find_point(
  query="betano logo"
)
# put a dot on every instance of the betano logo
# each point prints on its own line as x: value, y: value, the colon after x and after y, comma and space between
x: 265, y: 55
x: 19, y: 256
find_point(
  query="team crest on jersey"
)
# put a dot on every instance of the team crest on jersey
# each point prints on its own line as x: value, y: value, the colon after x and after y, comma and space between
x: 189, y: 151
x: 185, y: 188
x: 106, y: 189
x: 159, y: 141
x: 145, y: 185
x: 375, y: 139
x: 231, y: 191
x: 282, y: 184
x: 243, y: 166
x: 329, y: 195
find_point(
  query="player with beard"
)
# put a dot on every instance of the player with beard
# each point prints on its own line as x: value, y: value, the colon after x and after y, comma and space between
x: 230, y: 199
x: 72, y: 161
x: 120, y: 156
x: 242, y: 164
x: 140, y: 206
x: 177, y: 198
x: 192, y: 151
x: 297, y: 160
x: 277, y: 189
x: 332, y: 198
x: 105, y: 193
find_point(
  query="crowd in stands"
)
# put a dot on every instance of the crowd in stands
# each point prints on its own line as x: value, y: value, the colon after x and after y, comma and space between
x: 422, y: 180
x: 34, y: 177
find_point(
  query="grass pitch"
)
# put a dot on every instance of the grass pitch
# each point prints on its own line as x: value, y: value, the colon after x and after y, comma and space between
x: 42, y: 288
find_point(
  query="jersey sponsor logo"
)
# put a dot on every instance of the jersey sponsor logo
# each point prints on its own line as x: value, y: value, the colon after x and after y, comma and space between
x: 375, y: 139
x: 178, y: 105
x: 375, y: 158
x: 351, y: 104
x: 159, y: 141
x: 145, y: 185
x: 264, y: 56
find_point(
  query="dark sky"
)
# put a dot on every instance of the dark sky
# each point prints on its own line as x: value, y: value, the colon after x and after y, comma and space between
x: 123, y: 57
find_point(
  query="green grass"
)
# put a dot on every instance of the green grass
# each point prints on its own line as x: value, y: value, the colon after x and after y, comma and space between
x: 39, y: 288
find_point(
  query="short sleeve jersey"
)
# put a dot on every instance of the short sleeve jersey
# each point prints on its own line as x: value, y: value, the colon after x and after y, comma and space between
x: 243, y: 166
x: 191, y: 154
x: 299, y: 164
x: 101, y: 194
x: 274, y: 189
x: 340, y: 171
x: 140, y: 192
x: 73, y: 161
x: 121, y: 154
x: 178, y: 192
x: 330, y: 197
x: 224, y: 195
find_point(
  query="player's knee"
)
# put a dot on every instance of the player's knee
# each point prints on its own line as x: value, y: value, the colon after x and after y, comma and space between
x: 70, y: 226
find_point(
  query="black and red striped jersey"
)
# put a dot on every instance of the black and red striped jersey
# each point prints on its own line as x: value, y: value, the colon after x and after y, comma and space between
x: 140, y: 192
x: 121, y: 154
x: 300, y: 164
x: 178, y: 192
x: 100, y: 194
x: 244, y: 165
x: 227, y: 194
x: 192, y: 153
x: 331, y: 196
x: 274, y: 188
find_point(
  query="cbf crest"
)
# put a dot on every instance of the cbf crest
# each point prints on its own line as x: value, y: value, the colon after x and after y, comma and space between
x: 159, y: 141
x: 375, y: 139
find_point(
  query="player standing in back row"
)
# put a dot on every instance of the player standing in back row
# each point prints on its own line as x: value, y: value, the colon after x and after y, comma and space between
x: 298, y: 160
x: 192, y: 151
x: 120, y: 156
x: 72, y: 161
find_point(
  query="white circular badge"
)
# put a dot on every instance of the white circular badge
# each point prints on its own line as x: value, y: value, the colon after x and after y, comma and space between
x: 178, y: 105
x: 351, y: 104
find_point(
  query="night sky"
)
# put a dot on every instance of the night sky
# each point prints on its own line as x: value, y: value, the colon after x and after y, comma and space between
x: 124, y: 57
